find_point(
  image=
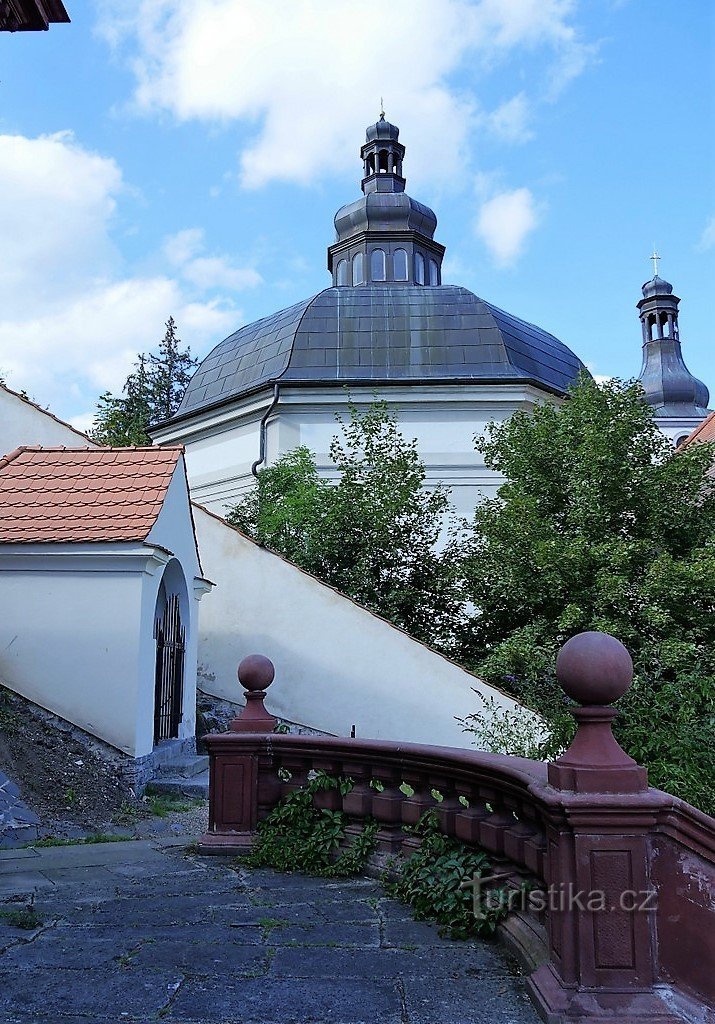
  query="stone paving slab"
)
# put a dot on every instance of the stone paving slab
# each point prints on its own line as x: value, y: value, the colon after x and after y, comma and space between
x: 149, y: 934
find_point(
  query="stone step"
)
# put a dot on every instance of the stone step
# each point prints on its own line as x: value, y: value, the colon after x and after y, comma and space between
x: 183, y: 768
x: 196, y: 786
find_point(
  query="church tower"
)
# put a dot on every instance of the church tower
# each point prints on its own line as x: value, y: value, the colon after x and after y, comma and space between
x: 678, y: 399
x: 385, y: 237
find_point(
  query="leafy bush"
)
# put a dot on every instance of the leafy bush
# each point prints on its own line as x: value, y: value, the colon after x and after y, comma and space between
x: 372, y: 533
x: 430, y: 882
x: 500, y: 730
x: 603, y: 525
x: 297, y: 836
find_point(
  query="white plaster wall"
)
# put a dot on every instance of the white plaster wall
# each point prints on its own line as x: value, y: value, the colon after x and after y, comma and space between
x: 70, y: 641
x: 444, y: 420
x: 22, y: 423
x: 337, y: 665
x: 678, y: 428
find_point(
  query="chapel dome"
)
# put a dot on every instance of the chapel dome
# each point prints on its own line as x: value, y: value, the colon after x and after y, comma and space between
x: 373, y: 335
x: 387, y: 319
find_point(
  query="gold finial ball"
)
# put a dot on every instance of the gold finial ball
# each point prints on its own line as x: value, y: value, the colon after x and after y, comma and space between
x: 256, y: 672
x: 594, y: 668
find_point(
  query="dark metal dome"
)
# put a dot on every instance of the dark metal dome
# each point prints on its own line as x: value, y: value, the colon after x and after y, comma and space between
x: 387, y: 334
x: 656, y: 286
x: 384, y: 211
x: 382, y: 129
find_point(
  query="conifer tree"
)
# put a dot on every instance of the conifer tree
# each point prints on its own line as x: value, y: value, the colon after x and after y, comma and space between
x: 170, y: 373
x: 152, y: 392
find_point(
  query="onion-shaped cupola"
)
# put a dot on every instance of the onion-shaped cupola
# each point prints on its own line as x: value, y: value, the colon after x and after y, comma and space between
x: 385, y: 237
x: 670, y: 388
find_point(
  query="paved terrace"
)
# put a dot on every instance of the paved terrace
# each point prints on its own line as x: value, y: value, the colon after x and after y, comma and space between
x: 143, y: 931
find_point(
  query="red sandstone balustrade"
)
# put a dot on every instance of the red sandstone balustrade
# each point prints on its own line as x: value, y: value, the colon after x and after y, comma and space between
x: 588, y: 823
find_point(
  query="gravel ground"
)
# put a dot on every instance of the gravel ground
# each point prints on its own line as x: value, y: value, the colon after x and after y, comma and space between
x: 74, y: 783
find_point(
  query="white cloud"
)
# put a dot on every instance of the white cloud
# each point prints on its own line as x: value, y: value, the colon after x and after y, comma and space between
x: 71, y: 317
x: 56, y: 204
x: 185, y: 252
x: 84, y: 421
x: 510, y: 121
x: 600, y: 378
x: 95, y: 336
x: 707, y: 239
x: 304, y: 75
x: 504, y: 223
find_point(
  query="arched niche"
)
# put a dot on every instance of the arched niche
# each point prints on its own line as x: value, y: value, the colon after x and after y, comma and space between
x: 172, y: 623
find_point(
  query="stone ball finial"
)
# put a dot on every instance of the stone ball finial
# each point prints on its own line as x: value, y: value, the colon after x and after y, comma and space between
x: 594, y: 668
x: 256, y: 672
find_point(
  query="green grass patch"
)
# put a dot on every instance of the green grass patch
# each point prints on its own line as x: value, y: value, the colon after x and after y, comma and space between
x: 21, y: 917
x: 269, y: 924
x: 161, y: 805
x: 96, y: 837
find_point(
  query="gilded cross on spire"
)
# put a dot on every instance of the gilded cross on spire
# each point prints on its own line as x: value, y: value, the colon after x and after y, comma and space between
x: 382, y: 109
x: 655, y: 257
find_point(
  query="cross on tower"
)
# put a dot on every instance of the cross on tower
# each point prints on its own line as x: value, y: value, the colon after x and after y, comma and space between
x: 655, y: 257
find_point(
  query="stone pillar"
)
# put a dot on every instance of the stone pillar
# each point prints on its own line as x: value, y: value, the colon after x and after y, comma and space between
x: 233, y: 772
x: 601, y: 917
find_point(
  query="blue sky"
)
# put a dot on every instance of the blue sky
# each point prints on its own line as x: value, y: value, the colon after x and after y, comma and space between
x: 186, y: 158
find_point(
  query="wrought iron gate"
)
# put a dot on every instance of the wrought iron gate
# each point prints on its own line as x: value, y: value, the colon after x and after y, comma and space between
x: 170, y: 637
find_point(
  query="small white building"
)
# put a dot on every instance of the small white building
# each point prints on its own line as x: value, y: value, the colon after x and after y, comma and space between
x: 100, y: 581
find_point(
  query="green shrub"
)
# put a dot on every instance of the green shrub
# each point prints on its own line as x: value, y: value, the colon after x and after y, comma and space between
x: 296, y: 836
x: 431, y: 883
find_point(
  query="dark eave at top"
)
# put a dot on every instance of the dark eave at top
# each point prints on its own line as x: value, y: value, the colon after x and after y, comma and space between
x: 31, y: 15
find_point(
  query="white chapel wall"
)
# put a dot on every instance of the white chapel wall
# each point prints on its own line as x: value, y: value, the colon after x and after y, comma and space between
x: 337, y: 665
x: 70, y: 641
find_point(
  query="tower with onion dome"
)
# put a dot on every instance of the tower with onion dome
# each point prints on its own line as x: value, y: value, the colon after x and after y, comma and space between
x: 678, y: 399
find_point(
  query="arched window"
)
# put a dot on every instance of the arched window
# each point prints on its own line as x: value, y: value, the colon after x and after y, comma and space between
x: 371, y: 164
x: 358, y: 268
x: 433, y: 272
x: 342, y: 274
x: 395, y: 163
x: 419, y: 268
x: 377, y: 265
x: 683, y: 437
x: 399, y: 265
x: 383, y: 161
x: 652, y: 331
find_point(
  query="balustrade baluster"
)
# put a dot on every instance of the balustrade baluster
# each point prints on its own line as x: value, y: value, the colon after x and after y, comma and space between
x: 468, y: 819
x: 387, y: 808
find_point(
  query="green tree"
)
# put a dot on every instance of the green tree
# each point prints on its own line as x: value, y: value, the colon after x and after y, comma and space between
x: 152, y: 392
x: 601, y: 524
x: 123, y: 421
x: 169, y: 374
x: 372, y: 533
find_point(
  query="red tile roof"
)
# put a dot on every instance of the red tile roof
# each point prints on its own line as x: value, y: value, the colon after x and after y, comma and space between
x: 80, y: 495
x: 704, y: 431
